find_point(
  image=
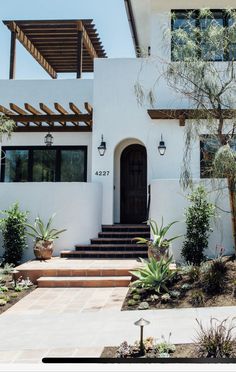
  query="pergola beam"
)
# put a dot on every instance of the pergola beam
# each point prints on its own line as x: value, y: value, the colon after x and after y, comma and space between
x: 52, y: 118
x: 87, y: 41
x: 184, y: 114
x: 57, y: 128
x: 24, y: 40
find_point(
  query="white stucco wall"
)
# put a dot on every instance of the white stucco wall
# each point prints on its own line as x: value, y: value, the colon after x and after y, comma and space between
x: 77, y: 207
x: 169, y: 201
x: 119, y: 118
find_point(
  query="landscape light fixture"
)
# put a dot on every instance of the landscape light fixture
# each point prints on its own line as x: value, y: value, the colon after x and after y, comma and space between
x: 14, y: 276
x: 102, y: 147
x: 162, y: 147
x: 48, y: 139
x: 141, y: 323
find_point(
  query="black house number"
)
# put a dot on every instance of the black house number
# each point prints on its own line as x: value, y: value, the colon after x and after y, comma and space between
x: 102, y: 173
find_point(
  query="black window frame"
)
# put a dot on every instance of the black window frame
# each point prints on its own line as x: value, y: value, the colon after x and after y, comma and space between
x: 195, y: 13
x: 30, y: 160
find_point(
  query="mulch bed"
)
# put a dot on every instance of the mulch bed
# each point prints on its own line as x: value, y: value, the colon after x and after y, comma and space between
x: 226, y: 298
x: 182, y: 351
x: 11, y: 292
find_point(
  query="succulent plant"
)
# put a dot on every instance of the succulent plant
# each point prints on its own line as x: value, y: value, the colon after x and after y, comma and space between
x: 143, y: 306
x: 131, y: 302
x: 175, y: 294
x: 165, y: 298
x: 3, y: 302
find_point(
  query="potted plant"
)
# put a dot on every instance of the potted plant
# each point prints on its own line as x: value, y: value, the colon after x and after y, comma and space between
x: 44, y: 236
x: 158, y: 245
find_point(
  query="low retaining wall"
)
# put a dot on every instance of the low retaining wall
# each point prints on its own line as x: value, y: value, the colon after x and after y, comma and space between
x: 77, y: 207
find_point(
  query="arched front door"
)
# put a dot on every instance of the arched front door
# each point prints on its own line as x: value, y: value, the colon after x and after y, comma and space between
x: 133, y: 184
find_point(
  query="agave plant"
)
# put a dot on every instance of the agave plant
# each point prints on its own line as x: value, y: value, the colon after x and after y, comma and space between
x: 41, y: 231
x: 159, y: 235
x: 154, y: 274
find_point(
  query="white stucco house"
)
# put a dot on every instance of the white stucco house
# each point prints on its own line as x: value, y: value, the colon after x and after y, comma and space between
x: 131, y: 181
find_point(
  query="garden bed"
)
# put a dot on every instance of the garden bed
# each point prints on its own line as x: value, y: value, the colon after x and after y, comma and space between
x: 9, y: 294
x: 181, y: 351
x: 182, y: 291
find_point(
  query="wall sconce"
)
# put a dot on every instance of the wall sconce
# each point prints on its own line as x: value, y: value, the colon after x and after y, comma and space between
x: 162, y: 147
x: 102, y: 147
x: 48, y: 139
x: 141, y: 323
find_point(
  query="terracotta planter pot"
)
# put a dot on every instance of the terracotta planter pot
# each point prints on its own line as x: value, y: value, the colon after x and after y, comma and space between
x: 43, y: 249
x: 158, y: 252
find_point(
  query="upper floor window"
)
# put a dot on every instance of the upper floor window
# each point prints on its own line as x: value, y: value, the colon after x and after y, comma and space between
x: 43, y: 164
x: 210, y: 36
x: 209, y: 145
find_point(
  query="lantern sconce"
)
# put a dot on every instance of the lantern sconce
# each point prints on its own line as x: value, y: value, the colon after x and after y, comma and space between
x: 102, y: 147
x: 48, y: 139
x: 162, y: 147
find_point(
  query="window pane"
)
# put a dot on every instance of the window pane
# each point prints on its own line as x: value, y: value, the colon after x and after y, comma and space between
x: 16, y: 166
x: 212, y: 43
x: 209, y: 147
x: 44, y: 165
x: 183, y: 25
x: 73, y: 165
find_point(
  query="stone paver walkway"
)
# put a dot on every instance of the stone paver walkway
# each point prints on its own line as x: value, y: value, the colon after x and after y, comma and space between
x: 81, y: 321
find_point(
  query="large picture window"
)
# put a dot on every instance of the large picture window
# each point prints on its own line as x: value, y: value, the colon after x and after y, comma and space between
x: 209, y: 145
x: 43, y: 164
x: 181, y: 19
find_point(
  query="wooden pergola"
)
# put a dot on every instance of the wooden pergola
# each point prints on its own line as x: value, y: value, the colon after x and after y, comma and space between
x: 42, y: 119
x: 59, y: 46
x: 183, y: 114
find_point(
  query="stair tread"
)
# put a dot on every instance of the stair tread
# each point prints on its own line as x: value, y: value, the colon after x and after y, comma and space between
x: 84, y: 278
x: 101, y: 252
x: 126, y: 226
x: 123, y: 232
x: 110, y: 245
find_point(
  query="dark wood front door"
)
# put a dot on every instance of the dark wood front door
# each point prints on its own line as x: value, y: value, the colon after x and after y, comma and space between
x: 133, y: 198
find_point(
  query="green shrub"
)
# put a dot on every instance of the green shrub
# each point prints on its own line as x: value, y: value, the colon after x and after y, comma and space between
x: 216, y: 341
x: 213, y: 279
x: 14, y: 234
x: 198, y: 216
x: 155, y: 275
x: 197, y: 298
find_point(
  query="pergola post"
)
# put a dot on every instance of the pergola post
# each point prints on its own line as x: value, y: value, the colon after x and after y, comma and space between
x: 79, y: 53
x: 12, y: 56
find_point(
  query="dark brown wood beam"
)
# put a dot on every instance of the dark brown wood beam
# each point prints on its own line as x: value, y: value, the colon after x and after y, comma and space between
x: 51, y: 118
x: 79, y: 54
x: 45, y: 128
x: 12, y: 56
x: 184, y: 114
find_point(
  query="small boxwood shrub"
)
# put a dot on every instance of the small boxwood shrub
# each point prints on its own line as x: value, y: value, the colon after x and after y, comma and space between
x: 14, y: 234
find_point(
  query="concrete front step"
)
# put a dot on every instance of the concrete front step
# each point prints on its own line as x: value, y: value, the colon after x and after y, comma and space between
x: 124, y: 234
x: 111, y: 247
x: 104, y: 254
x: 84, y: 281
x: 126, y: 228
x: 115, y: 240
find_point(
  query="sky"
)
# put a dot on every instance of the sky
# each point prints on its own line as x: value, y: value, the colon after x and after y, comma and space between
x: 109, y: 17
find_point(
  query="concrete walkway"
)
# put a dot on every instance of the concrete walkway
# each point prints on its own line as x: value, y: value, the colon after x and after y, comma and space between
x: 81, y: 321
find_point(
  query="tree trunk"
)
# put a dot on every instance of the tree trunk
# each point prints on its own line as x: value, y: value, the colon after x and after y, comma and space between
x: 232, y: 198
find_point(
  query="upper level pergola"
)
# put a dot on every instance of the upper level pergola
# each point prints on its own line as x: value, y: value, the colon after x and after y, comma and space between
x: 59, y: 46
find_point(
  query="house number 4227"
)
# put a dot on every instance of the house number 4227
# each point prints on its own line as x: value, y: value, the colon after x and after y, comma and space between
x: 102, y: 173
